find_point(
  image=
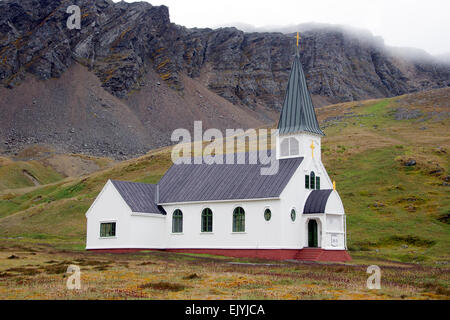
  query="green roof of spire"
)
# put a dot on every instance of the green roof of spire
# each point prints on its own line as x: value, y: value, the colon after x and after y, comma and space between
x: 298, y: 113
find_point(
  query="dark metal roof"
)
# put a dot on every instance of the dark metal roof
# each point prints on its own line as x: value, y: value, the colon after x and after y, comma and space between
x: 317, y: 201
x: 208, y: 182
x: 298, y: 110
x: 140, y: 197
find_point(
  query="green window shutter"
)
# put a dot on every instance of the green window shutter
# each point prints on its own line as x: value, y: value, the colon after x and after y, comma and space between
x: 312, y: 180
x: 306, y: 181
x: 318, y: 183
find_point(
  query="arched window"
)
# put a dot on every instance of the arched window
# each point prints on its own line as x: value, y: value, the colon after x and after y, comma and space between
x: 312, y: 182
x: 284, y: 148
x: 312, y: 178
x: 207, y: 220
x: 267, y: 214
x: 177, y: 221
x: 238, y: 220
x: 294, y: 149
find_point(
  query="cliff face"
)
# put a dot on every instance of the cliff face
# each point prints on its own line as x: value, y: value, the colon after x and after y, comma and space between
x: 125, y: 44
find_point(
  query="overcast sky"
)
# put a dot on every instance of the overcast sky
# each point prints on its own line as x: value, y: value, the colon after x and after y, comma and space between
x: 405, y: 23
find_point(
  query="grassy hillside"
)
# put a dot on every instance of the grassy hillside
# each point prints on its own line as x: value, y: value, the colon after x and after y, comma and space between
x: 21, y: 174
x: 389, y: 158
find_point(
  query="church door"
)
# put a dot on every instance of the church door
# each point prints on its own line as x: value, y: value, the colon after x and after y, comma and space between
x: 312, y: 234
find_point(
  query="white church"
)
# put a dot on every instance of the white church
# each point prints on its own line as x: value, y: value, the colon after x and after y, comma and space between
x: 231, y: 209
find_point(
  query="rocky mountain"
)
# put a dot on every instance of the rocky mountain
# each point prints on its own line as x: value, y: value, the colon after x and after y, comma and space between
x: 128, y: 77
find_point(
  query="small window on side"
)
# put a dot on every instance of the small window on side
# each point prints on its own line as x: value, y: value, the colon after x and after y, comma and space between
x: 107, y: 230
x: 312, y: 180
x: 267, y: 214
x: 306, y: 181
x: 318, y: 183
x: 293, y: 215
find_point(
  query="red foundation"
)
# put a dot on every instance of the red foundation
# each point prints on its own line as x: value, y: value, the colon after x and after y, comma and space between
x: 306, y: 254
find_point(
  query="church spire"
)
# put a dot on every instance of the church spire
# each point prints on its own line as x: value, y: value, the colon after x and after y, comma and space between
x: 298, y: 113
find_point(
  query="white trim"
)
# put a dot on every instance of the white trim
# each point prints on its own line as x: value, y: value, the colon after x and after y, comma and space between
x: 108, y: 221
x: 320, y: 230
x: 290, y: 157
x: 345, y: 231
x: 148, y: 215
x: 215, y: 201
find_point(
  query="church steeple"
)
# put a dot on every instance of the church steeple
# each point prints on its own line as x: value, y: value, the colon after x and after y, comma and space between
x: 298, y: 113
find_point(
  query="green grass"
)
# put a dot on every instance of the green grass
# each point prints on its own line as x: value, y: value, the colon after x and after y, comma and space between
x: 12, y: 174
x: 392, y: 210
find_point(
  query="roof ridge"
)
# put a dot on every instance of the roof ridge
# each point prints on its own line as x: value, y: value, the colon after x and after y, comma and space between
x: 144, y: 183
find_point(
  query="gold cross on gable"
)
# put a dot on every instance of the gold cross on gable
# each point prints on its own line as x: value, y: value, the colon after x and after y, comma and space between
x: 312, y: 148
x: 298, y: 38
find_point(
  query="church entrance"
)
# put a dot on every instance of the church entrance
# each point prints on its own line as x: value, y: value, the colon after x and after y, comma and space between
x: 312, y: 234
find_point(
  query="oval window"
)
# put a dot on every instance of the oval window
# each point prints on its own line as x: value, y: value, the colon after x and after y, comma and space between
x: 293, y: 214
x: 267, y: 214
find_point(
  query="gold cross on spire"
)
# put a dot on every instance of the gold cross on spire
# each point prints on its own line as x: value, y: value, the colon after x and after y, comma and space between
x: 312, y: 148
x: 298, y: 38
